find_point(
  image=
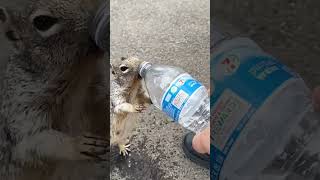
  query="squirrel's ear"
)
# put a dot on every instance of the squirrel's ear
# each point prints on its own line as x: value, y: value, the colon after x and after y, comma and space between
x: 4, y: 17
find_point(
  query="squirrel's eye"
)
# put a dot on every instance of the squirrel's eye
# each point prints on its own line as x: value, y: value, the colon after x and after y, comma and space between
x: 44, y: 23
x: 124, y: 68
x: 113, y: 72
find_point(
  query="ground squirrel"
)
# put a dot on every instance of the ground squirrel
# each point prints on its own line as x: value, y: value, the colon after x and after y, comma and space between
x: 128, y: 97
x: 54, y: 94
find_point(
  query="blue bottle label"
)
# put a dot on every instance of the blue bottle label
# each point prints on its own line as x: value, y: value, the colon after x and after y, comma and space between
x: 177, y: 95
x: 241, y: 81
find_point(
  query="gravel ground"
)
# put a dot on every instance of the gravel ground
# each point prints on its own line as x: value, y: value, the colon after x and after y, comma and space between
x: 171, y: 32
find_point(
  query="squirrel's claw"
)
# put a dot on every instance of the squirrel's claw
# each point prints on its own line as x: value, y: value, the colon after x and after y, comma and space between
x: 124, y: 149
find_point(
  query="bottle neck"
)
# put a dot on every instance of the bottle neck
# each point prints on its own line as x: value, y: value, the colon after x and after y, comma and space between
x: 143, y: 68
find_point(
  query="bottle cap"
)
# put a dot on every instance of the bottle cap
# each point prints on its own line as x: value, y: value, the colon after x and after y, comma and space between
x: 143, y: 67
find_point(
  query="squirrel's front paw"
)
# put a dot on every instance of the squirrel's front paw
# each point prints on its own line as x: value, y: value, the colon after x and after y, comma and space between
x: 124, y: 108
x: 93, y: 147
x: 124, y: 149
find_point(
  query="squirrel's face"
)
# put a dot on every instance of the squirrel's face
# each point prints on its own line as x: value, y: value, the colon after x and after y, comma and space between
x: 125, y: 70
x: 51, y: 33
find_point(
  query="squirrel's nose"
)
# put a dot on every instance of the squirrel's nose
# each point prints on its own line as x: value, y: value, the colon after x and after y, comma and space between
x: 100, y: 27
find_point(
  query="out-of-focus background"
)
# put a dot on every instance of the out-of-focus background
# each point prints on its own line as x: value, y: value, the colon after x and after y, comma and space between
x: 287, y: 29
x: 174, y: 32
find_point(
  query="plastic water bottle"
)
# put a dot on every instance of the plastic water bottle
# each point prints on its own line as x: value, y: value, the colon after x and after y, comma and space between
x: 178, y: 94
x: 263, y: 126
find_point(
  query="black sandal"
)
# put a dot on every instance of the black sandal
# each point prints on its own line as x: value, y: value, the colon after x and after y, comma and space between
x: 198, y: 158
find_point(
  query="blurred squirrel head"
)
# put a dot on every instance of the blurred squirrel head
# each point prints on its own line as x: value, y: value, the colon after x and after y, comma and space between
x: 125, y: 70
x: 50, y: 34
